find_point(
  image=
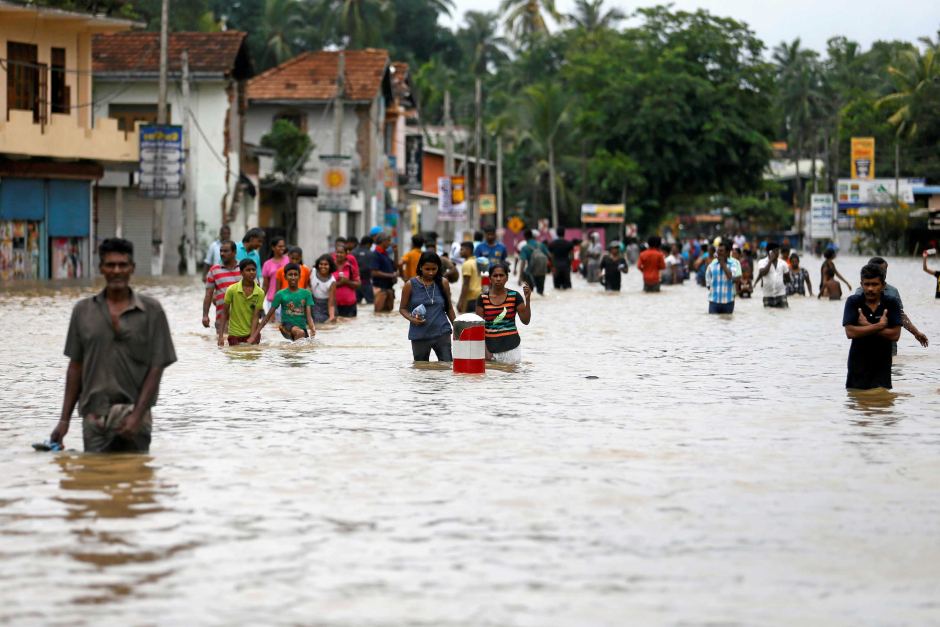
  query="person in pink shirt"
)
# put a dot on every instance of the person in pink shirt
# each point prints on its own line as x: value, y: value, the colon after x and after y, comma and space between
x: 347, y: 282
x: 269, y: 270
x: 342, y: 245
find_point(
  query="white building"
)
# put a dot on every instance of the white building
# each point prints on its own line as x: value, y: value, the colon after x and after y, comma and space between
x: 303, y: 90
x: 126, y: 71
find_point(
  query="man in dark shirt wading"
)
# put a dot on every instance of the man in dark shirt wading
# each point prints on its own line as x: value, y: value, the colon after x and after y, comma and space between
x: 118, y: 345
x: 872, y: 321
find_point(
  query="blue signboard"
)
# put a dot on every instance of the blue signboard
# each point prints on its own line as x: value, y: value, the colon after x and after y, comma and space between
x: 161, y: 161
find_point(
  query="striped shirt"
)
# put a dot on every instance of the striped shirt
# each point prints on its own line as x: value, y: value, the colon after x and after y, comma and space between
x: 501, y: 335
x: 720, y: 287
x: 219, y: 278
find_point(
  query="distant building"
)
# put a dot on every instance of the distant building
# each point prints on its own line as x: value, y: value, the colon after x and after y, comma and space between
x: 126, y: 72
x: 51, y: 149
x: 302, y: 90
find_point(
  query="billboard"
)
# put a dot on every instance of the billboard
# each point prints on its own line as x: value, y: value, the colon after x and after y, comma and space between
x: 414, y: 157
x: 602, y: 214
x: 451, y: 199
x: 161, y: 161
x: 855, y: 193
x: 863, y: 157
x: 334, y: 193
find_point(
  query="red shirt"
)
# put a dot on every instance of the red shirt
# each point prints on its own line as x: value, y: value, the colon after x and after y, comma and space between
x: 219, y: 278
x: 651, y: 262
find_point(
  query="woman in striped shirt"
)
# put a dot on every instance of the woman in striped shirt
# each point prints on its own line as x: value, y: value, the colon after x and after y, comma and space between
x: 499, y: 309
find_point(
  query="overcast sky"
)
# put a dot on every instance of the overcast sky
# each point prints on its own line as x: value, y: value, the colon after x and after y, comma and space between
x: 813, y: 21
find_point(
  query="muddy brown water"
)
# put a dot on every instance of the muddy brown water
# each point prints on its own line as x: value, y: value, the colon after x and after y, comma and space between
x: 646, y: 464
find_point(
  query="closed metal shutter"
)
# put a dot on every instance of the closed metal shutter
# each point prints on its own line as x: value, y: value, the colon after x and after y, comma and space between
x: 138, y: 228
x: 106, y: 210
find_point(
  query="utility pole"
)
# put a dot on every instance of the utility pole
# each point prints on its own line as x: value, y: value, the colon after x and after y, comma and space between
x: 477, y: 171
x: 448, y: 153
x: 499, y: 180
x: 189, y: 222
x: 156, y: 260
x: 897, y: 171
x: 338, y: 128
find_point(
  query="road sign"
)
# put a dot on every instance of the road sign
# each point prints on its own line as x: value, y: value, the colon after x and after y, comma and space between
x: 161, y: 161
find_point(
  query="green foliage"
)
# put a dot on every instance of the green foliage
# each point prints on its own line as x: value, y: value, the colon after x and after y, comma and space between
x: 883, y: 231
x: 291, y: 145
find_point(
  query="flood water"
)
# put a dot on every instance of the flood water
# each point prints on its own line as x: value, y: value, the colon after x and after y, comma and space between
x: 646, y: 464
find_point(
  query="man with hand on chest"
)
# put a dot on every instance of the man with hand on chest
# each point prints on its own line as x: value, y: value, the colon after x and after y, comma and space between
x: 873, y: 322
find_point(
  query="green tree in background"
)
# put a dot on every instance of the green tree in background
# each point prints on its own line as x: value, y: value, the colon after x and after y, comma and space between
x: 525, y: 19
x: 590, y: 16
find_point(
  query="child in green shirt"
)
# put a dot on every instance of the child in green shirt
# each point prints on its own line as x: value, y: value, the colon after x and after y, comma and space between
x: 296, y: 306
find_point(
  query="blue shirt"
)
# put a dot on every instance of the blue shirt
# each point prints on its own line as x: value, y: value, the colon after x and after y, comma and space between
x: 720, y: 287
x: 496, y: 252
x: 241, y: 253
x: 383, y: 263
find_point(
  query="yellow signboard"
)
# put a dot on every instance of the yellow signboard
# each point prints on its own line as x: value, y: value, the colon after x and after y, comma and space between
x: 515, y: 224
x: 487, y: 204
x: 863, y: 157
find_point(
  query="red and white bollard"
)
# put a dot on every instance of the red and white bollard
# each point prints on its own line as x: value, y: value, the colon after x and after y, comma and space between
x: 470, y: 345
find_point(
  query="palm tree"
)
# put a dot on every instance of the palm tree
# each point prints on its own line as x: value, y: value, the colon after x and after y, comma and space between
x: 281, y: 24
x: 481, y: 42
x: 545, y: 111
x: 590, y: 16
x: 359, y: 23
x: 913, y: 75
x: 799, y: 98
x: 525, y: 19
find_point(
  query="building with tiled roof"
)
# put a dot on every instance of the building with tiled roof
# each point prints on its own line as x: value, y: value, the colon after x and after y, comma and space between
x: 312, y: 76
x: 303, y: 91
x: 126, y: 75
x: 137, y: 54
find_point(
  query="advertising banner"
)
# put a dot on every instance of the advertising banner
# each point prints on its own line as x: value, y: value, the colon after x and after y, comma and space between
x: 414, y: 157
x: 822, y: 211
x: 161, y: 161
x: 863, y: 157
x: 487, y: 204
x: 609, y: 214
x: 334, y: 194
x: 856, y: 193
x: 451, y: 200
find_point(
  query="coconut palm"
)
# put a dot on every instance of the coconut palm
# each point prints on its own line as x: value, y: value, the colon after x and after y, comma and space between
x: 799, y: 99
x: 481, y: 42
x: 359, y: 23
x: 590, y: 16
x: 526, y: 18
x: 545, y: 111
x: 281, y: 27
x: 914, y: 75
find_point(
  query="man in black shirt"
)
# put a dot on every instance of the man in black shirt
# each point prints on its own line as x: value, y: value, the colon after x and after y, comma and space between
x: 872, y: 321
x: 561, y: 260
x: 364, y: 255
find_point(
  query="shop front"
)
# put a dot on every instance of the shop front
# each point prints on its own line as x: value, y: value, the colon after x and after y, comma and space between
x: 45, y: 227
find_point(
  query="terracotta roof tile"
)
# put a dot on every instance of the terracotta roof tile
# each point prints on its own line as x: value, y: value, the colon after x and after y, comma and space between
x: 312, y: 76
x: 140, y: 52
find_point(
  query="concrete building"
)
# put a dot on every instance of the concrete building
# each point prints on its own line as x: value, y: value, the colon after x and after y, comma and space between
x: 303, y: 90
x: 126, y: 72
x: 51, y: 149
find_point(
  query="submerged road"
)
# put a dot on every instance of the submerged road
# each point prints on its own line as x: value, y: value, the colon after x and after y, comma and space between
x: 646, y: 464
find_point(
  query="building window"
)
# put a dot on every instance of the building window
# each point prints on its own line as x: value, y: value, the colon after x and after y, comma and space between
x: 60, y: 91
x: 297, y: 118
x: 129, y: 114
x: 23, y: 84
